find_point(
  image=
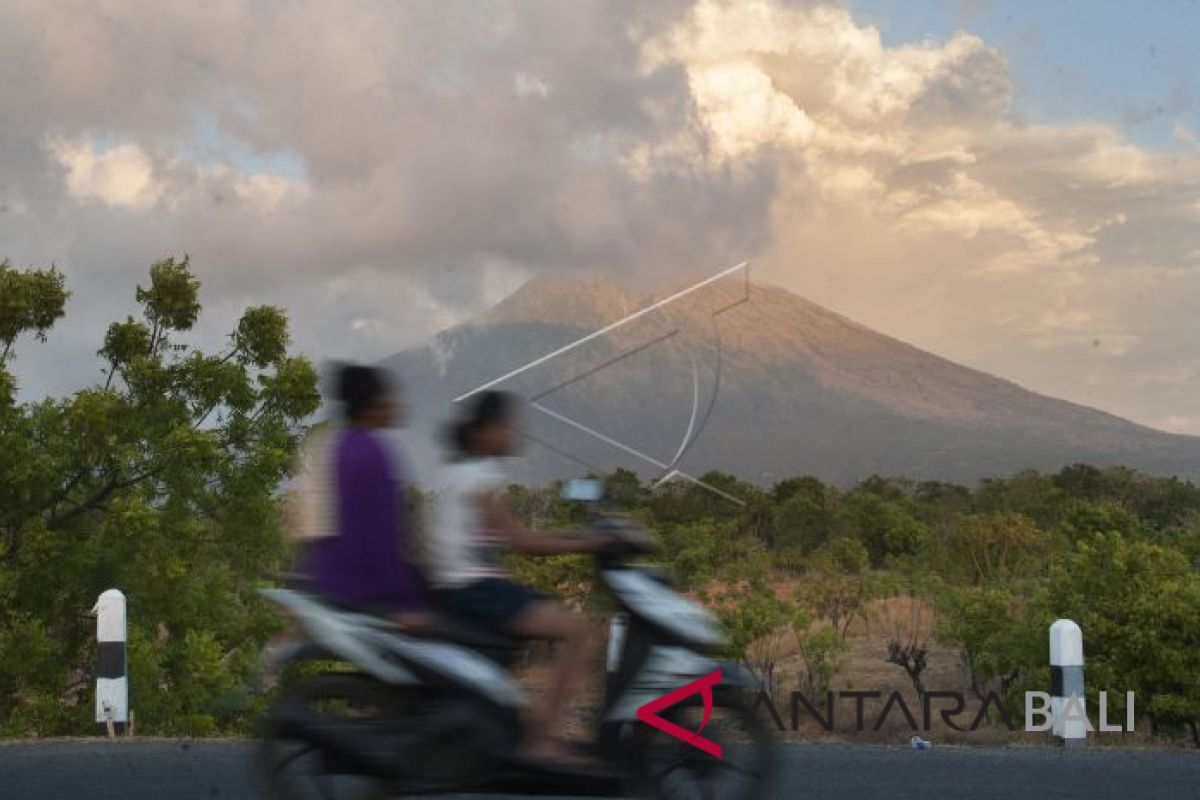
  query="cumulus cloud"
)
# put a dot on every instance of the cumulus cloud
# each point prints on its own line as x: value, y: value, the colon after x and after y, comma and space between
x: 125, y: 176
x: 385, y: 169
x: 918, y: 202
x: 120, y: 177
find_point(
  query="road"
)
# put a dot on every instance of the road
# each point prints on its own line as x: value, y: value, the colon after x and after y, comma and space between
x: 205, y: 769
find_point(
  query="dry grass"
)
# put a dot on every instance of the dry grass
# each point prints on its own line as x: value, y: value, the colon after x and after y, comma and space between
x: 864, y: 667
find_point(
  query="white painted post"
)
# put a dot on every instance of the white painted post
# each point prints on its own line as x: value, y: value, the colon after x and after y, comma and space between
x: 112, y: 683
x: 1068, y: 705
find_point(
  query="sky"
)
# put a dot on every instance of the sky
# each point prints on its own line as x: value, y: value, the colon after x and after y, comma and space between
x: 1014, y: 186
x: 1075, y: 59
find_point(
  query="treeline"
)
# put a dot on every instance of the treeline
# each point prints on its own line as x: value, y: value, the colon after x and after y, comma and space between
x: 1113, y: 549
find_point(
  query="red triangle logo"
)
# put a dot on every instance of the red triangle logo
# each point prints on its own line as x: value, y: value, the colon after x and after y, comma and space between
x: 701, y: 686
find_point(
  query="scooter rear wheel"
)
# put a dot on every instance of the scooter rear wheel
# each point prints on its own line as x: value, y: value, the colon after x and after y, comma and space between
x: 295, y: 767
x: 364, y: 740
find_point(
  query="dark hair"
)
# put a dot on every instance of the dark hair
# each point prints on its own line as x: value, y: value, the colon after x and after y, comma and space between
x: 360, y: 387
x: 481, y: 410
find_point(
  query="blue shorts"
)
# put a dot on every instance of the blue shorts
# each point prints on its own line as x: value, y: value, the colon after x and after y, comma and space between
x: 489, y: 603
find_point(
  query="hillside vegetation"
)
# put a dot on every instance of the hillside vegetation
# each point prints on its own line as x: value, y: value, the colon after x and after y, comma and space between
x: 931, y: 567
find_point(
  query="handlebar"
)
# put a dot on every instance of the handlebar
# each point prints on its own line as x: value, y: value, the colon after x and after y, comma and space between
x: 629, y: 537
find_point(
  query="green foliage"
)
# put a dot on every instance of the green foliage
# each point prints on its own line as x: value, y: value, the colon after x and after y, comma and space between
x: 31, y: 301
x: 160, y: 481
x: 570, y: 577
x: 884, y: 524
x: 821, y: 650
x: 1115, y: 550
x: 1002, y: 640
x: 624, y: 488
x: 1081, y: 481
x: 993, y: 548
x: 172, y: 303
x: 683, y: 502
x: 1028, y: 493
x: 803, y: 514
x: 837, y: 587
x: 750, y: 613
x: 1137, y: 603
x: 1082, y: 519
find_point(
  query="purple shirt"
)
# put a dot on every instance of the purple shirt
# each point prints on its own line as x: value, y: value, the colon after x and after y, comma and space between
x: 368, y: 563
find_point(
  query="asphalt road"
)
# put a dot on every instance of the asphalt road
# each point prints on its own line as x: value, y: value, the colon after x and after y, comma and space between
x: 202, y: 770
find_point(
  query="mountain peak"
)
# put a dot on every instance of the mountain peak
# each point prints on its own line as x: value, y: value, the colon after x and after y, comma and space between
x: 579, y: 300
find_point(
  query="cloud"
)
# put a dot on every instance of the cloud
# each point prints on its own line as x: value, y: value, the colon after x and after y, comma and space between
x: 126, y: 177
x: 920, y: 203
x: 121, y: 177
x: 385, y: 169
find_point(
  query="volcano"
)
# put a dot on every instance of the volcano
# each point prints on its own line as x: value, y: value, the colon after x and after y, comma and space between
x: 754, y: 380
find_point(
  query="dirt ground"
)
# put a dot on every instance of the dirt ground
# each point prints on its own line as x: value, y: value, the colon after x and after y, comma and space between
x: 864, y: 668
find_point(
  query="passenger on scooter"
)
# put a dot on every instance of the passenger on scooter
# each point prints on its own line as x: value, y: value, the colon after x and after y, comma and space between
x: 472, y: 531
x: 368, y: 562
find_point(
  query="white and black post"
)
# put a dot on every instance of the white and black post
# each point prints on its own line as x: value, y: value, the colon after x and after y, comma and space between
x: 112, y: 682
x: 1068, y: 706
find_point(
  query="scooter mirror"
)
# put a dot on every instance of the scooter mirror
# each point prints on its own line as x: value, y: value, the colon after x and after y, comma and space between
x: 582, y: 489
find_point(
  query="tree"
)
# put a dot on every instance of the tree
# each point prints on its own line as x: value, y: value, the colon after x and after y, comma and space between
x: 624, y: 488
x: 1000, y: 639
x: 837, y: 588
x: 1136, y: 602
x: 1085, y: 518
x: 908, y: 638
x: 803, y: 514
x: 1080, y: 480
x: 160, y: 480
x: 885, y: 526
x: 995, y: 548
x: 31, y: 301
x: 1027, y: 492
x: 538, y: 508
x: 683, y: 501
x: 821, y: 650
x: 756, y: 618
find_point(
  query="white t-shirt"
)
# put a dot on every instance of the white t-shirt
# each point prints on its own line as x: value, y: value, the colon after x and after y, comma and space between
x: 313, y: 497
x: 459, y: 550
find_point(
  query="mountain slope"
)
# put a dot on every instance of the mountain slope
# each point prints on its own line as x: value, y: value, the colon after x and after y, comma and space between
x: 797, y: 388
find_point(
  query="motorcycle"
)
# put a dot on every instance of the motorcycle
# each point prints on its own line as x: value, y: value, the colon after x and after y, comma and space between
x: 402, y: 713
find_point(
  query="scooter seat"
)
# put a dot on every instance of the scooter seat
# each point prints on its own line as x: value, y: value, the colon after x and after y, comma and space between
x: 451, y: 629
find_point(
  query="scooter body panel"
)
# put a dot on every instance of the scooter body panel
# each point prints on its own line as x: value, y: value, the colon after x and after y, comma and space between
x: 657, y: 603
x: 386, y: 654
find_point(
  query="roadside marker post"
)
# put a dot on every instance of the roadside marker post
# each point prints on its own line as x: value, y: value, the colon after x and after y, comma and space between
x: 1068, y: 705
x: 112, y: 682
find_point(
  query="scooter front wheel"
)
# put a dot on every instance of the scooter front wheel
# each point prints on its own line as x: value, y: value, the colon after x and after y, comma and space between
x: 667, y: 768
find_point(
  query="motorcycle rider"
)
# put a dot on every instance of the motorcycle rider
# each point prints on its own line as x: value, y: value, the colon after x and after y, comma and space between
x: 368, y: 562
x: 472, y: 530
